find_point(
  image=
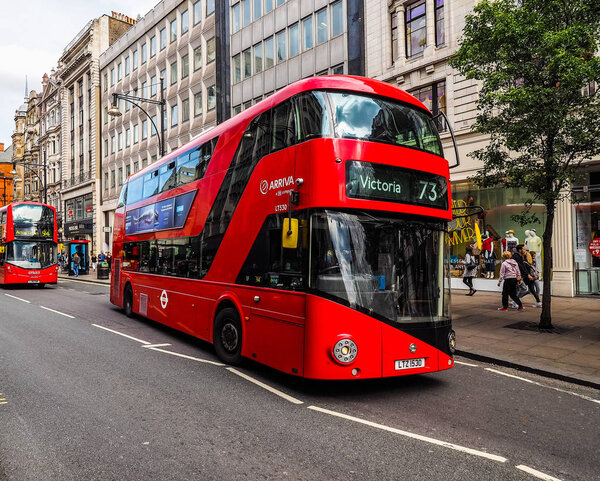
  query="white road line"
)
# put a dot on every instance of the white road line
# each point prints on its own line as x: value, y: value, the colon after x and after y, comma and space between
x: 283, y: 395
x: 120, y: 334
x: 466, y: 364
x: 58, y: 312
x: 582, y: 396
x: 426, y: 439
x: 185, y: 356
x: 151, y: 346
x: 536, y: 473
x: 15, y: 297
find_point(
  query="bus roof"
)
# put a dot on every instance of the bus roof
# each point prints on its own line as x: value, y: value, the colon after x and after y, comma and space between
x: 325, y: 82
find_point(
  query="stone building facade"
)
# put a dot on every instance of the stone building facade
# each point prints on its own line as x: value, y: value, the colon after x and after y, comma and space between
x: 18, y: 150
x: 79, y: 77
x: 6, y: 178
x: 32, y: 173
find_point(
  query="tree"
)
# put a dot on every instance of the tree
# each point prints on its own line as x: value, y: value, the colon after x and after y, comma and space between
x: 535, y: 60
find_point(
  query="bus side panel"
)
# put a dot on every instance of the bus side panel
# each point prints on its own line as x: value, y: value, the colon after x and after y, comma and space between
x: 274, y: 328
x: 328, y: 322
x: 396, y: 345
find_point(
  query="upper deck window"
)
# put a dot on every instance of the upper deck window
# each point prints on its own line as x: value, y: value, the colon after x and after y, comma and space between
x: 33, y: 221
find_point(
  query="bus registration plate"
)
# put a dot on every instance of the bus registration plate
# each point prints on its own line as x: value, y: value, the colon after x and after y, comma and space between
x: 33, y: 282
x: 410, y: 363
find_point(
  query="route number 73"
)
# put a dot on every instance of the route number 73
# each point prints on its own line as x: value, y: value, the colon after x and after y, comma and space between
x: 428, y: 191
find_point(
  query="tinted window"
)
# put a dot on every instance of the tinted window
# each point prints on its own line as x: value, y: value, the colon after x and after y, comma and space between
x: 314, y: 116
x: 135, y: 190
x: 151, y: 184
x: 284, y: 126
x: 167, y: 177
x: 122, y: 196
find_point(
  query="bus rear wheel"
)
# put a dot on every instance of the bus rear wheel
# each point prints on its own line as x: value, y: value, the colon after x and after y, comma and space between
x: 227, y: 336
x: 128, y: 301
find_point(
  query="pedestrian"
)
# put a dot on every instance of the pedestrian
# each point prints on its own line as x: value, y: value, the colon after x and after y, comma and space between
x: 470, y: 270
x: 94, y: 261
x: 524, y: 266
x: 101, y: 256
x: 109, y: 259
x: 510, y: 273
x: 76, y: 262
x: 535, y: 283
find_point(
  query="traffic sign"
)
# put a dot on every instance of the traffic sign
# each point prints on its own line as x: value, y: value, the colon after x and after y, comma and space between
x: 594, y: 247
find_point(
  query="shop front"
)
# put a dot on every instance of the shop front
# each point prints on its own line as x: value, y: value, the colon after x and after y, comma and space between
x: 498, y: 229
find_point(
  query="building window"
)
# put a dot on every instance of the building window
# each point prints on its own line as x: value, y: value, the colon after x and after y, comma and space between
x: 197, y: 104
x: 307, y: 33
x: 174, y: 73
x: 185, y: 22
x: 236, y: 18
x: 247, y: 63
x: 127, y: 66
x: 144, y: 129
x: 269, y: 53
x: 268, y: 6
x: 163, y: 77
x: 294, y: 34
x: 153, y: 126
x: 120, y: 176
x: 153, y: 86
x: 185, y: 110
x: 211, y: 98
x: 197, y: 12
x: 173, y: 36
x: 119, y: 72
x: 258, y: 58
x: 105, y: 83
x: 338, y: 69
x: 246, y: 12
x: 135, y: 59
x: 144, y: 89
x: 322, y: 26
x: 174, y: 115
x: 440, y: 38
x: 394, y: 26
x: 280, y: 2
x: 136, y: 134
x: 337, y: 19
x: 163, y: 39
x: 120, y: 140
x: 416, y: 28
x: 281, y: 46
x: 105, y: 147
x: 434, y: 98
x: 144, y: 54
x: 185, y: 66
x: 257, y: 9
x: 112, y: 178
x: 210, y: 50
x: 152, y: 47
x: 128, y: 138
x: 237, y: 68
x: 112, y: 77
x: 113, y: 145
x: 127, y: 171
x: 136, y: 166
x: 197, y: 58
x: 105, y: 180
x: 210, y: 7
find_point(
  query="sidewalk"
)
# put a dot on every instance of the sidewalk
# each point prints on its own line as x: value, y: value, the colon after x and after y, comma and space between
x: 571, y: 352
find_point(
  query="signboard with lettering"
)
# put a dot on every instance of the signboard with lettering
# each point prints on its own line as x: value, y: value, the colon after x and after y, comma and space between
x: 594, y: 247
x: 166, y: 214
x: 366, y: 180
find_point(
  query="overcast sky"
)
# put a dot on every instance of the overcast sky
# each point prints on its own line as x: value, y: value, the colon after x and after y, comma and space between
x: 33, y: 34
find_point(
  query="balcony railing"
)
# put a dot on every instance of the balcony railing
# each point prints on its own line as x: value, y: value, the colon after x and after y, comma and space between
x: 78, y: 179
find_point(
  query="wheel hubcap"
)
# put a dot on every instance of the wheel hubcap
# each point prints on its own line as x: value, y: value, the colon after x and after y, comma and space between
x: 229, y: 337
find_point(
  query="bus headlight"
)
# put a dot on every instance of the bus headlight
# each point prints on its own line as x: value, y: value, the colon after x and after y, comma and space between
x: 452, y: 341
x: 344, y: 351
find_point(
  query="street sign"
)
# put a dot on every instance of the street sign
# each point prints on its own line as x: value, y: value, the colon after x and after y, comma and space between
x: 594, y: 247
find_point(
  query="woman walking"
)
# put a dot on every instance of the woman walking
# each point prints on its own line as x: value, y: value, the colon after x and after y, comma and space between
x: 470, y: 270
x: 510, y: 273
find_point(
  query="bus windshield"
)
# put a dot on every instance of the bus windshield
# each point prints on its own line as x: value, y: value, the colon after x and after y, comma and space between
x: 31, y: 255
x: 384, y: 266
x: 33, y: 221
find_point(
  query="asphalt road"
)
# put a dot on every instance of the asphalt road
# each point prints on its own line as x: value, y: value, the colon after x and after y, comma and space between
x: 89, y: 394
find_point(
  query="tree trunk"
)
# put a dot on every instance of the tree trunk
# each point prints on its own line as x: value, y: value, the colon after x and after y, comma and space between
x: 546, y: 316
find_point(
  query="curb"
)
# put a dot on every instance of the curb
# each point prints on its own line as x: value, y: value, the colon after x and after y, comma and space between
x: 525, y: 368
x: 76, y: 279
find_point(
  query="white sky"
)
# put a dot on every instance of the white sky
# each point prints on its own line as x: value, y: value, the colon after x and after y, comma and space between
x: 33, y: 34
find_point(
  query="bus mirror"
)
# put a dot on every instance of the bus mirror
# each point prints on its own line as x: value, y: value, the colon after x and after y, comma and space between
x: 289, y: 234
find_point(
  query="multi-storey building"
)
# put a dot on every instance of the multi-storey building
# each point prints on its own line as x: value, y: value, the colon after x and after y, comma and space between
x: 50, y: 142
x: 6, y: 177
x: 180, y: 42
x: 79, y: 78
x: 31, y: 155
x: 18, y: 149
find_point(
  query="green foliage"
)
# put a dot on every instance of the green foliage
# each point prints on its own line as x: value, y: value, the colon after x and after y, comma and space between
x: 534, y: 59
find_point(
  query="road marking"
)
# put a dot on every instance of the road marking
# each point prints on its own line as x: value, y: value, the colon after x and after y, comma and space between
x: 121, y: 334
x: 426, y: 439
x: 58, y: 312
x: 582, y: 396
x: 465, y: 363
x: 536, y: 473
x: 15, y: 297
x: 185, y: 356
x: 151, y: 346
x: 86, y: 282
x: 283, y: 395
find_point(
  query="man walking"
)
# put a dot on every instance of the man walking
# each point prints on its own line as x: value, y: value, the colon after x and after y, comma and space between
x: 521, y: 258
x: 76, y: 262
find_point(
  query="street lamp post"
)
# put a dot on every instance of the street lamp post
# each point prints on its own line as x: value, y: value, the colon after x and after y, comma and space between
x: 114, y: 111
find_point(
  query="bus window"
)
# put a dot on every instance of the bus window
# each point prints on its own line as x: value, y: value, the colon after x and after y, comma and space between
x: 135, y: 190
x: 122, y: 196
x: 315, y: 120
x: 284, y: 126
x: 167, y: 177
x: 151, y: 184
x: 187, y: 166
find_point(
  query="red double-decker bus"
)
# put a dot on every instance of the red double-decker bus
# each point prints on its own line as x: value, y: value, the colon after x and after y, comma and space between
x: 306, y: 233
x: 28, y: 244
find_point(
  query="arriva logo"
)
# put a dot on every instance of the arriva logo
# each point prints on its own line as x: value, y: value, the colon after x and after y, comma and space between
x: 265, y: 186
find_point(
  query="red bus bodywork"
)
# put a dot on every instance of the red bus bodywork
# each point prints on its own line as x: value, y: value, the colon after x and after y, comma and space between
x: 292, y: 331
x: 40, y: 242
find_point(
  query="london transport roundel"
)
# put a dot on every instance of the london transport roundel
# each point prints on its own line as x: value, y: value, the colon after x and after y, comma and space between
x: 594, y: 247
x: 164, y: 299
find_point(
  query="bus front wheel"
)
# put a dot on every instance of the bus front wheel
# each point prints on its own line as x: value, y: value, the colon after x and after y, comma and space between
x: 227, y: 336
x: 128, y: 301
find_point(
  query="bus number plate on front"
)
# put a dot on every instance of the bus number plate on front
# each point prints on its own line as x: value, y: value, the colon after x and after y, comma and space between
x: 410, y: 363
x: 33, y: 282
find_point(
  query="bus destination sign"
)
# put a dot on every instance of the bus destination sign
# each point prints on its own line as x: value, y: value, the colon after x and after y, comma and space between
x: 366, y: 180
